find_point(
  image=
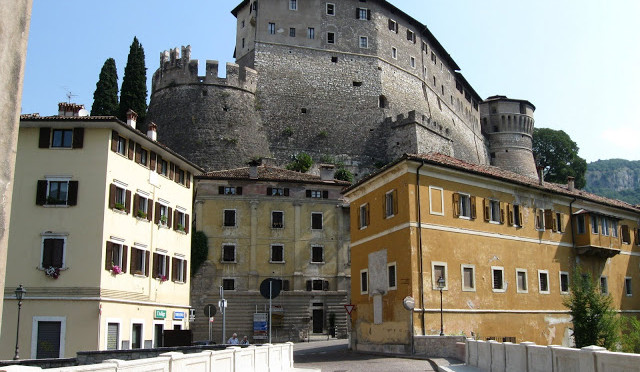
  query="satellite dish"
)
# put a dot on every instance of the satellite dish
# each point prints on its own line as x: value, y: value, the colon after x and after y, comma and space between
x: 276, y: 287
x: 83, y: 112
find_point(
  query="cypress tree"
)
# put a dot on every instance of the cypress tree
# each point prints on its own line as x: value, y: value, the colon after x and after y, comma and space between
x: 133, y: 94
x: 105, y: 98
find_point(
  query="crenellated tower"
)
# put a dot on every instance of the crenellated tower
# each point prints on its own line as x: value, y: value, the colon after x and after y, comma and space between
x: 508, y: 124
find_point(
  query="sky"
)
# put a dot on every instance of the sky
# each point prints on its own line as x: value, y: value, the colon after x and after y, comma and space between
x: 577, y: 61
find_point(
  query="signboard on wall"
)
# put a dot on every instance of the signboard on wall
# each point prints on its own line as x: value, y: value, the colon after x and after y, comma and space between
x: 178, y: 315
x: 160, y: 314
x: 260, y: 326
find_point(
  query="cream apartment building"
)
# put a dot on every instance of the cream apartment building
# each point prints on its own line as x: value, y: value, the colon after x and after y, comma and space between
x: 99, y: 237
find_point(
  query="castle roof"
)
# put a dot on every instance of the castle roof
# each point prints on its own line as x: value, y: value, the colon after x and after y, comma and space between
x: 268, y: 173
x: 505, y: 98
x: 497, y: 173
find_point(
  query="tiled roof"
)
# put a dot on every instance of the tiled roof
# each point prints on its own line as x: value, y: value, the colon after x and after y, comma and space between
x: 508, y: 176
x: 267, y: 173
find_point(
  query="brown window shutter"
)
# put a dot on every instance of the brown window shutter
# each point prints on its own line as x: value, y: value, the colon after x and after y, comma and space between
x: 188, y: 176
x: 177, y: 174
x: 368, y: 14
x: 286, y: 191
x: 501, y: 213
x: 325, y: 285
x: 175, y: 219
x: 221, y: 190
x: 626, y: 237
x: 184, y: 270
x: 152, y: 160
x: 146, y: 263
x: 112, y: 196
x: 308, y: 285
x: 41, y: 193
x: 520, y: 215
x: 636, y: 238
x: 135, y: 261
x: 285, y: 285
x: 156, y: 217
x: 548, y: 219
x: 367, y: 214
x: 45, y: 138
x: 171, y: 170
x: 114, y: 141
x: 485, y: 207
x: 72, y: 198
x: 473, y: 207
x: 456, y: 204
x: 77, y: 140
x: 124, y: 258
x: 159, y: 164
x: 359, y: 217
x: 239, y: 190
x: 136, y: 201
x: 138, y: 153
x: 127, y: 201
x: 357, y: 13
x: 154, y: 272
x: 509, y: 214
x: 58, y: 253
x: 108, y: 264
x: 395, y: 202
x: 174, y: 271
x: 149, y: 209
x: 325, y: 194
x: 170, y: 217
x: 269, y: 191
x: 384, y: 206
x: 186, y: 223
x: 308, y: 193
x: 132, y: 147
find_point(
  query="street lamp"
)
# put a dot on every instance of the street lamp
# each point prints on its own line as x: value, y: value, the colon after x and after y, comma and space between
x: 440, y: 286
x: 20, y: 292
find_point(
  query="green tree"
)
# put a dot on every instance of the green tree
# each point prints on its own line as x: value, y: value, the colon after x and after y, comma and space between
x: 133, y: 94
x: 105, y: 98
x: 558, y: 154
x: 631, y: 335
x: 301, y: 163
x: 594, y: 320
x: 199, y: 250
x: 343, y: 174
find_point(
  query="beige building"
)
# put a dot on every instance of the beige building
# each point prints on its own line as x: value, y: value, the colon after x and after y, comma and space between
x: 99, y: 237
x: 505, y: 246
x: 264, y: 222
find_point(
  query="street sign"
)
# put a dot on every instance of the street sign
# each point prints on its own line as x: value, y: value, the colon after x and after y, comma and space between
x: 160, y: 314
x: 222, y: 304
x: 260, y: 327
x: 276, y: 286
x: 349, y: 308
x: 210, y: 310
x: 178, y: 315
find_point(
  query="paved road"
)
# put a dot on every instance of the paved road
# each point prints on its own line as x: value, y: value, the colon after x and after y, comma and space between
x: 333, y: 356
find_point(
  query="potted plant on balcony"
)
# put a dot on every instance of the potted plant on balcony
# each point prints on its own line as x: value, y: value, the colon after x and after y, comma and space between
x: 141, y: 214
x: 163, y: 220
x: 53, y: 272
x: 115, y: 269
x: 119, y: 206
x: 181, y: 227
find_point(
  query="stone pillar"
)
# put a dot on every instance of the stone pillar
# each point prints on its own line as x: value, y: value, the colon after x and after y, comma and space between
x: 15, y: 17
x: 587, y: 358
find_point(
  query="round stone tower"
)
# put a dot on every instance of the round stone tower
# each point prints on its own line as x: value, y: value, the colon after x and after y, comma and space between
x: 209, y: 120
x: 508, y: 124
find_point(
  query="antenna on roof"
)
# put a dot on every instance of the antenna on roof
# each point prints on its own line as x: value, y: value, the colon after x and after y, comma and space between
x: 69, y: 95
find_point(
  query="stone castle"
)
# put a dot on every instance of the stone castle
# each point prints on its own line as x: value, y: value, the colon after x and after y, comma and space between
x: 354, y: 81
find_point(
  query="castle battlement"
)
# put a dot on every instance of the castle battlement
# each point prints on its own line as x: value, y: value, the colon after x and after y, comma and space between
x: 177, y: 68
x: 416, y: 117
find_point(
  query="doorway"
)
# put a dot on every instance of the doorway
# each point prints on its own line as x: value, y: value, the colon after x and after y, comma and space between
x: 318, y: 320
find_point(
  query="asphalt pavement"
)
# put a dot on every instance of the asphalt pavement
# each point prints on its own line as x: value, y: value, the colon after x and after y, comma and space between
x: 334, y: 356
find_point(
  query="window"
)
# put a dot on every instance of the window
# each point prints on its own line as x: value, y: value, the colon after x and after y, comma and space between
x: 497, y: 275
x: 604, y: 285
x: 392, y: 276
x: 229, y: 284
x: 605, y: 226
x: 364, y: 281
x: 393, y: 26
x: 292, y: 32
x: 229, y: 218
x: 439, y: 270
x: 317, y: 254
x: 277, y: 220
x: 163, y: 215
x: 363, y: 14
x: 180, y: 221
x: 116, y: 255
x: 277, y: 191
x: 363, y: 215
x: 311, y: 33
x: 228, y: 253
x: 394, y: 53
x: 382, y: 102
x: 163, y: 167
x: 139, y: 262
x: 293, y: 4
x: 180, y: 176
x: 539, y: 219
x: 49, y: 340
x: 331, y: 38
x: 229, y: 190
x: 331, y: 9
x: 113, y: 336
x: 492, y: 211
x: 272, y: 28
x: 160, y: 267
x: 317, y: 285
x: 364, y: 42
x: 543, y: 281
x: 57, y: 191
x: 143, y: 207
x: 413, y: 62
x: 61, y: 138
x: 142, y: 155
x: 277, y: 253
x: 580, y: 225
x: 464, y: 206
x: 515, y: 215
x: 433, y: 58
x: 411, y: 36
x: 468, y: 278
x: 559, y: 223
x: 594, y: 224
x: 391, y: 203
x: 614, y: 228
x: 564, y: 282
x: 319, y: 194
x: 53, y: 252
x: 119, y: 144
x: 521, y: 281
x: 627, y: 287
x: 179, y: 270
x: 119, y: 198
x: 626, y: 234
x: 316, y: 221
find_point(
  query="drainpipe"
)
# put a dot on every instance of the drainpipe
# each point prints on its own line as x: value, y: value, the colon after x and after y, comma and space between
x: 573, y: 238
x: 421, y: 284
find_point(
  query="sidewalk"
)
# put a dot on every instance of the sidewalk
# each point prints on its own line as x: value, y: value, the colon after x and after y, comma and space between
x: 453, y: 365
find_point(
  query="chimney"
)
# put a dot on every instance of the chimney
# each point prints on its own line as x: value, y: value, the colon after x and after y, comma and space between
x: 540, y: 175
x: 132, y: 117
x: 69, y: 109
x: 571, y: 183
x: 253, y: 168
x: 327, y: 172
x: 152, y: 132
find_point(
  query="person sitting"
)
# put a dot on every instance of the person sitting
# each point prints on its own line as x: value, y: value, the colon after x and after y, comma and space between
x: 233, y: 340
x: 245, y: 341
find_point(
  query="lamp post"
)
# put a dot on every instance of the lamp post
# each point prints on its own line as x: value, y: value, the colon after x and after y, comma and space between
x: 20, y: 292
x: 440, y: 286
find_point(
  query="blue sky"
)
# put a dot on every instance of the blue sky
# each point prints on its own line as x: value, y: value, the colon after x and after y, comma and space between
x: 577, y: 61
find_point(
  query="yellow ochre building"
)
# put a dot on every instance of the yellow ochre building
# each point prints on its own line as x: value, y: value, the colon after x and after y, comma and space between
x: 99, y: 237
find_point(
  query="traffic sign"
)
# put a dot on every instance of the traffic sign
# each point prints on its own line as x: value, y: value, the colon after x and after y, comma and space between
x: 349, y: 308
x: 222, y: 304
x: 210, y: 310
x: 276, y: 286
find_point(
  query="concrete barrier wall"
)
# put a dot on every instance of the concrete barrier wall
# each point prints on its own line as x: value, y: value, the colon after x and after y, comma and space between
x: 439, y: 346
x: 528, y: 357
x: 264, y: 358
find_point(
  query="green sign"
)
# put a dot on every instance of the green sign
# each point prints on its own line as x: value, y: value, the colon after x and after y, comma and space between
x: 161, y: 314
